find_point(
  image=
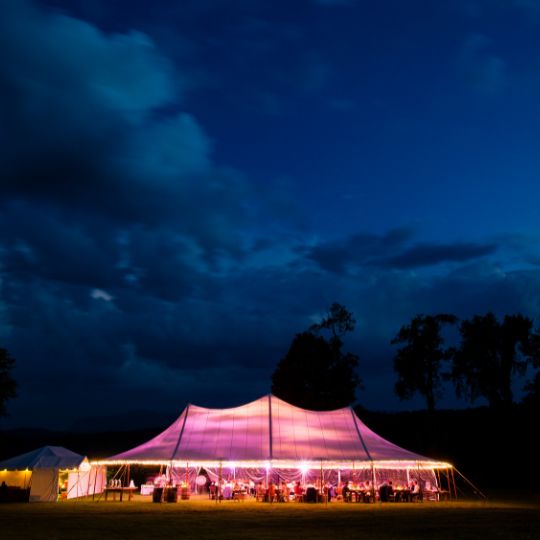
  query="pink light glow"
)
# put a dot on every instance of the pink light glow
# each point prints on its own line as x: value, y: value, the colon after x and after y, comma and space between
x: 291, y: 436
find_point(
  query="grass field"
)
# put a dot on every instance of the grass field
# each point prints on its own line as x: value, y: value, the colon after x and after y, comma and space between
x: 203, y: 519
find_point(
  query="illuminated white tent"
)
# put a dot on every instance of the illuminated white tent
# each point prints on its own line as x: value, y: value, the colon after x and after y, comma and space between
x: 39, y: 471
x: 271, y: 434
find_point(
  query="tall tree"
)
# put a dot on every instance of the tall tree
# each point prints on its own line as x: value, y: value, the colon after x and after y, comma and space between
x: 8, y: 386
x: 315, y: 373
x: 490, y: 355
x: 418, y: 363
x: 339, y: 321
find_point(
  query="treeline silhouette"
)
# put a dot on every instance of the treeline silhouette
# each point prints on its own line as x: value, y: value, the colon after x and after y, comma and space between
x: 494, y: 445
x: 482, y: 364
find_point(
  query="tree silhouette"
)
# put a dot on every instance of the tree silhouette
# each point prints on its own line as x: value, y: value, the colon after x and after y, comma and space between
x: 489, y: 356
x: 315, y: 373
x: 532, y: 351
x: 339, y: 320
x: 418, y: 364
x: 8, y: 386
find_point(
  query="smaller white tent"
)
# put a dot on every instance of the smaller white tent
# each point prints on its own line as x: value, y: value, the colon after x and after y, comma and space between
x: 40, y: 472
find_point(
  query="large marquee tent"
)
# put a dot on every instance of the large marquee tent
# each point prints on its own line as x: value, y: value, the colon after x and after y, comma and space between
x: 270, y: 436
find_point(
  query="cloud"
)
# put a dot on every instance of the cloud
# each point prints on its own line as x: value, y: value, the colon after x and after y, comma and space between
x: 392, y: 250
x: 428, y: 255
x: 360, y: 249
x: 99, y: 294
x: 132, y: 262
x: 115, y: 223
x: 84, y: 134
x: 82, y: 126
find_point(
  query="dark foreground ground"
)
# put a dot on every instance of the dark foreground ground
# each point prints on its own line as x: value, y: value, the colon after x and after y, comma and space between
x: 205, y: 519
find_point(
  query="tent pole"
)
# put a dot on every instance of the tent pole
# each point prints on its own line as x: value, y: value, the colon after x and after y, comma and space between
x: 220, y: 477
x: 95, y: 480
x: 454, y: 483
x: 374, y: 480
x: 476, y: 490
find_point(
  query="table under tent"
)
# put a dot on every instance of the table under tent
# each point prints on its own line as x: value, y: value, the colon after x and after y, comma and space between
x: 271, y: 440
x: 48, y: 474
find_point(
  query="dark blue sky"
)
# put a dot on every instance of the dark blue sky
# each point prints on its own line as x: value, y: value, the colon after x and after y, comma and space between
x: 186, y: 185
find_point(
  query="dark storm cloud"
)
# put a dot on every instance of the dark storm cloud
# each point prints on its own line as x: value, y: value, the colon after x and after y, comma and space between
x: 428, y: 255
x: 392, y: 250
x: 357, y: 250
x: 40, y: 243
x: 86, y: 161
x: 80, y: 130
x: 134, y: 262
x: 115, y: 225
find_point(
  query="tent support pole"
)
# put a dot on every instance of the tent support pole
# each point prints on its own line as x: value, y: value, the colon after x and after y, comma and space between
x: 324, y: 490
x: 476, y: 490
x: 96, y: 469
x: 220, y: 477
x: 374, y: 480
x: 438, y: 478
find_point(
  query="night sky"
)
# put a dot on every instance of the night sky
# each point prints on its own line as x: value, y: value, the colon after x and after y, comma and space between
x: 185, y: 185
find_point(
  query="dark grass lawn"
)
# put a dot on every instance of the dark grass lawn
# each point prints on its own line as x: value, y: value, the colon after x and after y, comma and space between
x: 204, y: 519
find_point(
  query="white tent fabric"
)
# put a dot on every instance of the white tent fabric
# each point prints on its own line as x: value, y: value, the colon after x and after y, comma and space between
x: 42, y: 469
x: 44, y: 486
x: 47, y: 457
x: 271, y: 432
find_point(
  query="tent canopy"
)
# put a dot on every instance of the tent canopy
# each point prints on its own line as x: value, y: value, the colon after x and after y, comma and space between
x: 39, y: 472
x: 270, y: 432
x: 47, y: 457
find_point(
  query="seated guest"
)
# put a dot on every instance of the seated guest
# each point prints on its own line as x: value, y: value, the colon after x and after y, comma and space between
x: 390, y: 491
x: 416, y: 492
x: 298, y: 491
x: 284, y: 493
x: 271, y: 491
x: 329, y: 491
x: 346, y: 492
x: 383, y: 492
x: 368, y: 492
x: 261, y: 492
